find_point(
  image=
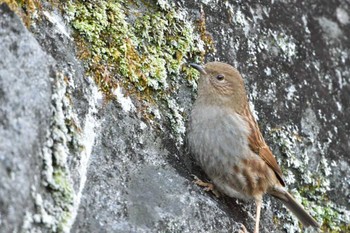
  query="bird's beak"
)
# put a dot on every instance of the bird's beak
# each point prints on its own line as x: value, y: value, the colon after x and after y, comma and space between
x: 199, y: 68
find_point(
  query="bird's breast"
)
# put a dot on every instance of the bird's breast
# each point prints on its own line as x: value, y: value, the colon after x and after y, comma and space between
x: 218, y: 138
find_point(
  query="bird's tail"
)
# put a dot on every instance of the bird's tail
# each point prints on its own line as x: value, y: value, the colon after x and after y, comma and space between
x: 296, y: 208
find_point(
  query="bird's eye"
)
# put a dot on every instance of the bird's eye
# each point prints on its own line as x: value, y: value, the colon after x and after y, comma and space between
x: 220, y: 77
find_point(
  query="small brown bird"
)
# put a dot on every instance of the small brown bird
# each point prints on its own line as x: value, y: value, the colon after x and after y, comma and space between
x: 226, y: 141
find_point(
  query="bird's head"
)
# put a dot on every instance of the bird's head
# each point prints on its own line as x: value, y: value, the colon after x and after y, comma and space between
x: 220, y: 84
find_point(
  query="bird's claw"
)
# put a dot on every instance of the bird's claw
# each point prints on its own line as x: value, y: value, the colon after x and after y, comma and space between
x: 207, y: 186
x: 243, y: 229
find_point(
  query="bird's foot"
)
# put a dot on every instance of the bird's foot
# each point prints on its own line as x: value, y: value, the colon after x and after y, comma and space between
x: 207, y: 186
x: 243, y: 229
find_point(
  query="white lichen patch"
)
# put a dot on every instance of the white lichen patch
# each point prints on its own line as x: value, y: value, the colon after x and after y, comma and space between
x: 55, y: 149
x: 253, y: 92
x: 210, y: 2
x: 286, y: 44
x: 42, y: 216
x: 330, y: 28
x: 125, y: 102
x: 305, y: 24
x: 251, y: 50
x: 339, y: 106
x: 62, y: 135
x: 276, y: 43
x: 176, y: 120
x: 291, y: 92
x: 257, y: 13
x: 58, y: 23
x: 239, y: 18
x: 341, y: 78
x: 342, y: 16
x: 155, y: 112
x: 289, y: 178
x: 253, y: 111
x: 165, y: 4
x: 267, y: 71
x: 86, y: 140
x: 66, y: 140
x: 269, y: 95
x: 310, y: 125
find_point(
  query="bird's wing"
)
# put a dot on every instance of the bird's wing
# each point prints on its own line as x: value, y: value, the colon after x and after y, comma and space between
x: 258, y: 144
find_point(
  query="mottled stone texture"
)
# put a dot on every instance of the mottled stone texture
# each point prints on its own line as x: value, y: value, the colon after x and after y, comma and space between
x: 295, y: 59
x: 136, y: 180
x: 25, y: 95
x: 116, y: 172
x: 294, y: 56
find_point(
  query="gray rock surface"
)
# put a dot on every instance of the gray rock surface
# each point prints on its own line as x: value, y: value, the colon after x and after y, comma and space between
x: 70, y: 161
x: 25, y: 97
x: 295, y: 59
x: 133, y: 180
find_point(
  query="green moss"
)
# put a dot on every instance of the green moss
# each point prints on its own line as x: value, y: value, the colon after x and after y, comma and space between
x: 142, y: 47
x: 147, y: 51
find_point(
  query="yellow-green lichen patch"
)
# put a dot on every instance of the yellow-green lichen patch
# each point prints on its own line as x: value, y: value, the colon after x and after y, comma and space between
x: 27, y: 10
x: 312, y: 186
x: 141, y: 47
x: 145, y: 48
x: 64, y: 187
x: 63, y: 197
x: 63, y: 142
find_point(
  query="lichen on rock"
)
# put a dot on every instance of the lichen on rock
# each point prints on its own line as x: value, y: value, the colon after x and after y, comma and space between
x: 109, y: 153
x: 309, y: 181
x: 142, y: 47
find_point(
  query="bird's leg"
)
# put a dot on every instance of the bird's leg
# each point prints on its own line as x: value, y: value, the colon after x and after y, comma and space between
x: 208, y: 186
x: 258, y: 203
x: 243, y: 229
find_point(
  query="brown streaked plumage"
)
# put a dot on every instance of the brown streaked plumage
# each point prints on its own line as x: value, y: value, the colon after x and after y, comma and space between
x: 226, y: 141
x: 258, y: 145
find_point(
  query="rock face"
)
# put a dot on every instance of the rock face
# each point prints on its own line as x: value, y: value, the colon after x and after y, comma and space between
x: 25, y: 96
x: 135, y: 181
x: 72, y: 160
